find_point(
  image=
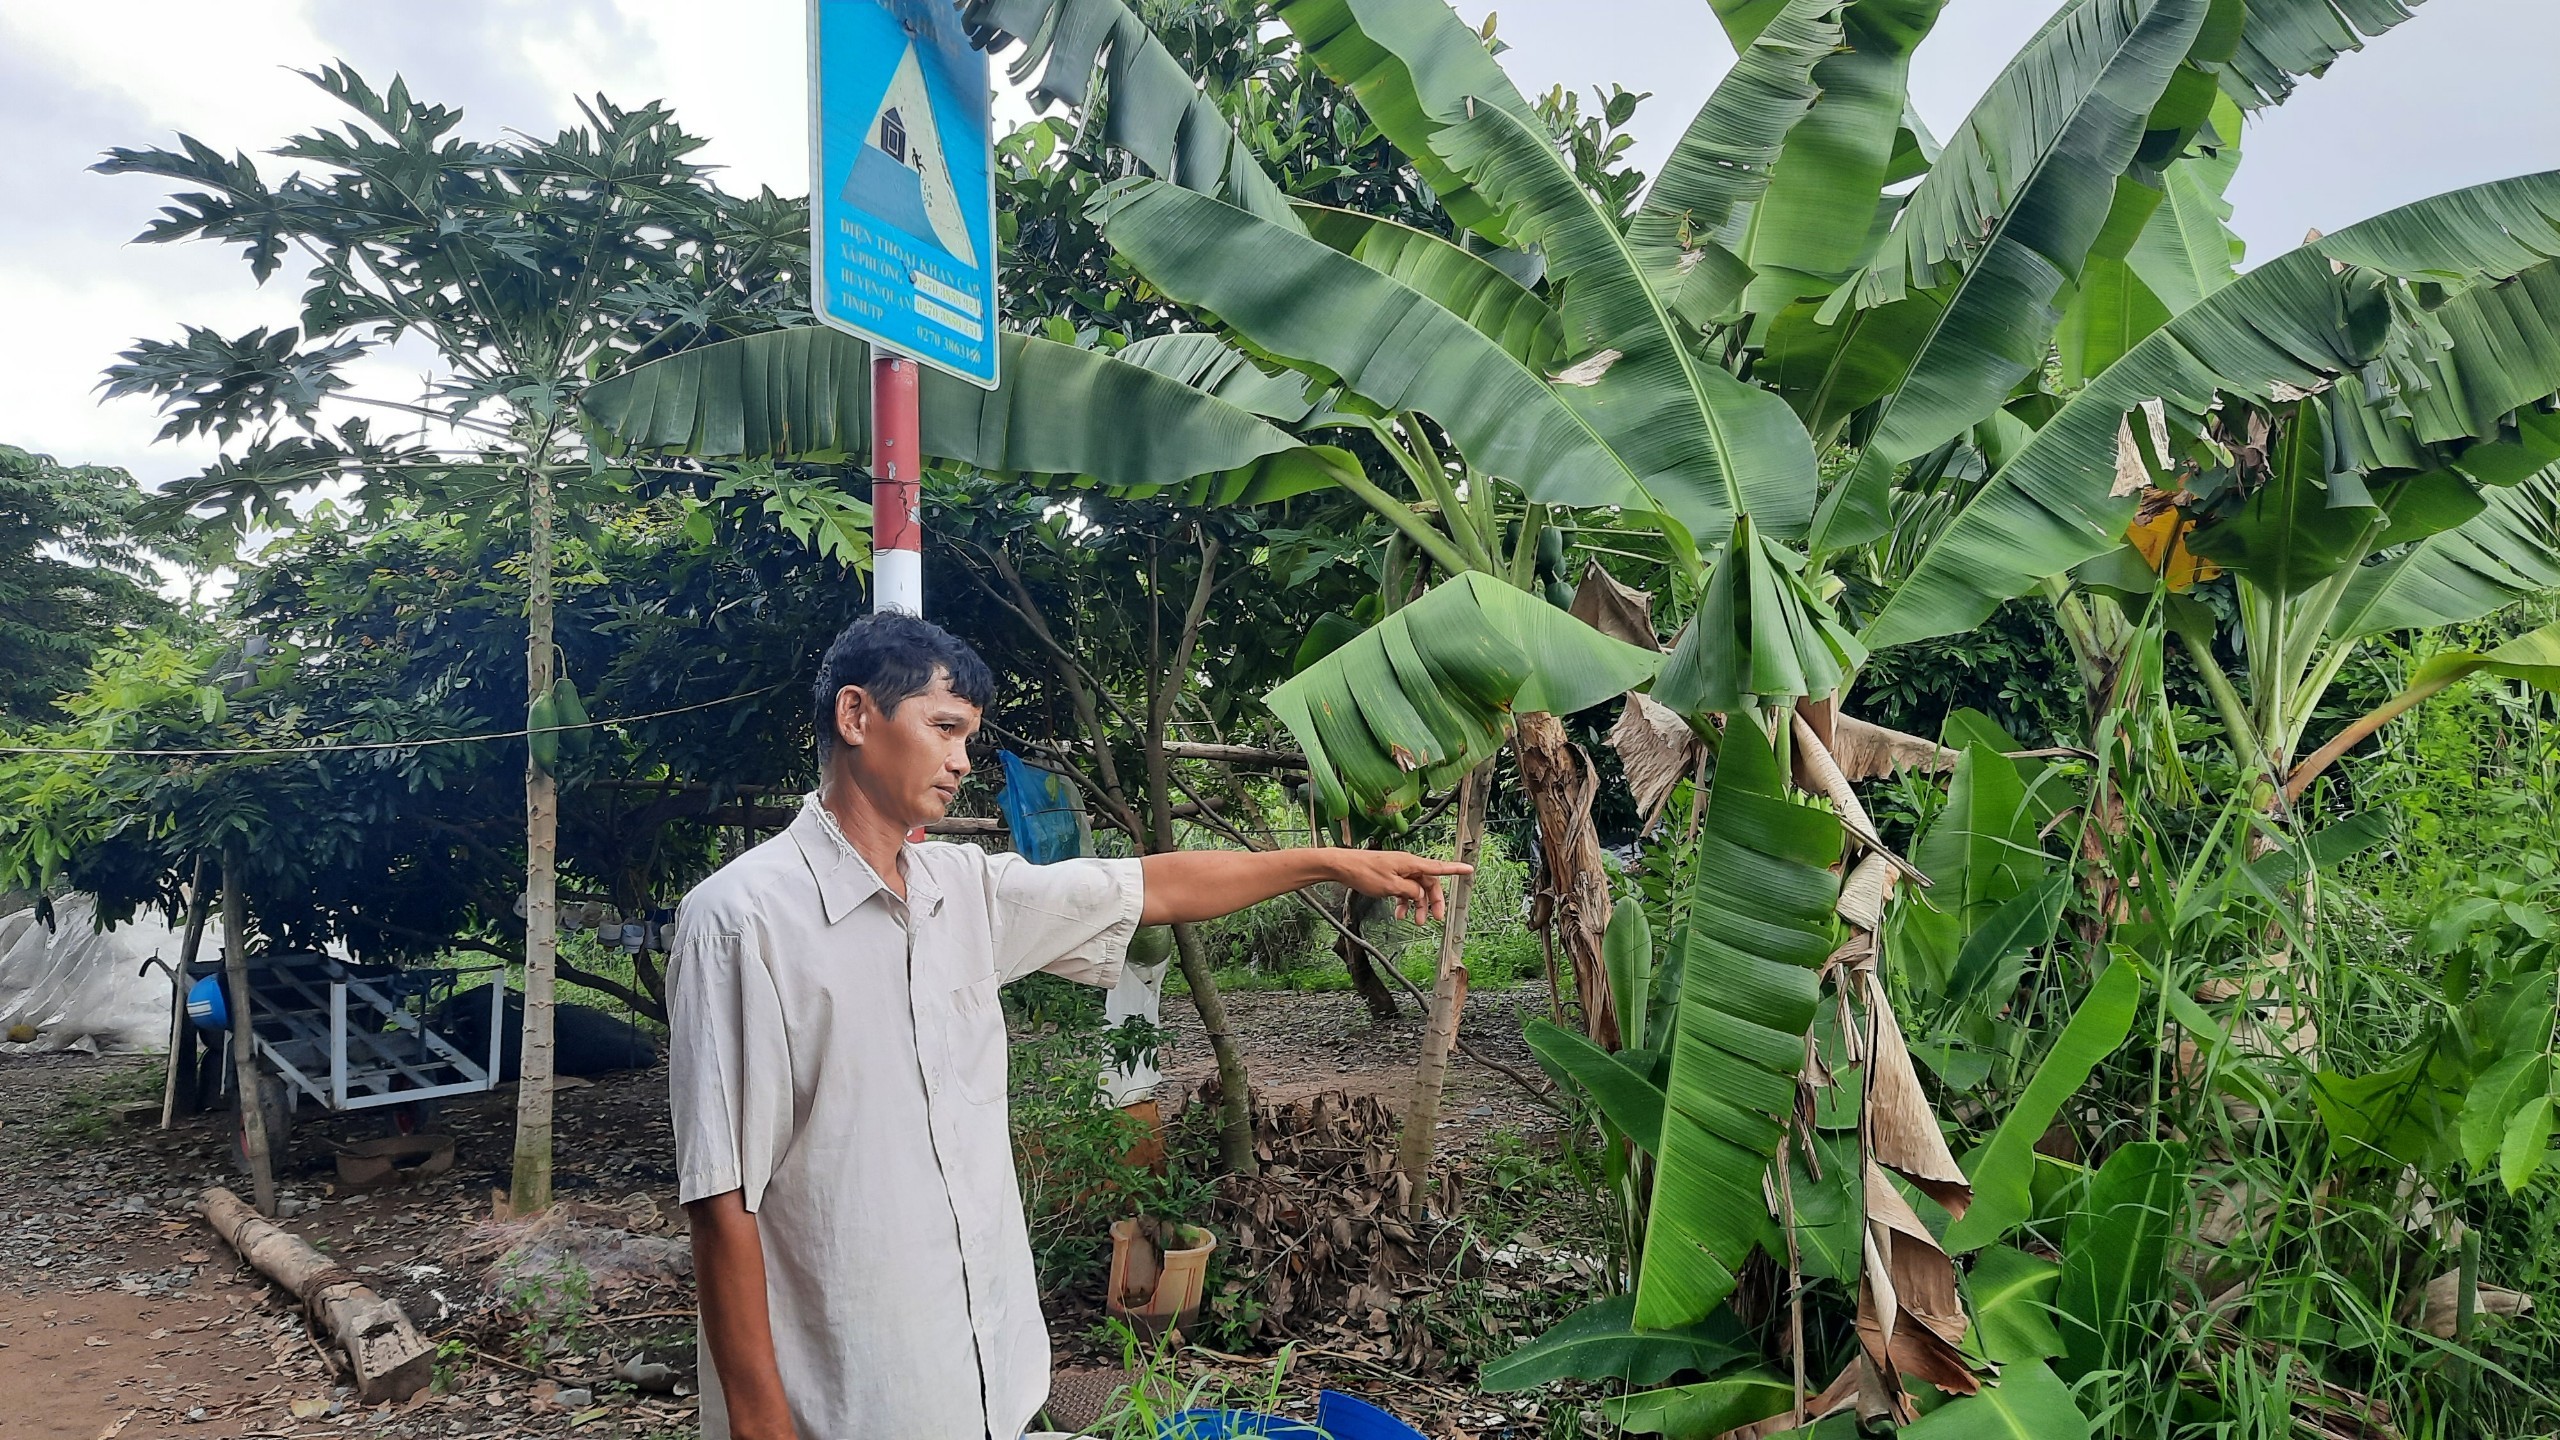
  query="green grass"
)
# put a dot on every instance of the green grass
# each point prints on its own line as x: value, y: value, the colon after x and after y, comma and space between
x: 87, y: 1112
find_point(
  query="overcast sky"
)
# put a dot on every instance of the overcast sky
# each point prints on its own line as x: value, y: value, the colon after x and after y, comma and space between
x: 2460, y: 94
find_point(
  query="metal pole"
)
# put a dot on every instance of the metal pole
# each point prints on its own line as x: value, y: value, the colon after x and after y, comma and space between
x: 897, y: 539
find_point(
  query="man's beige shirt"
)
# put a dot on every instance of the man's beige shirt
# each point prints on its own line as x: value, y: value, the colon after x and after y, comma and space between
x: 839, y: 1056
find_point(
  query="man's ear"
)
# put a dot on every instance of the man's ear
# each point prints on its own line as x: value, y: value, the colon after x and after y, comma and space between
x: 854, y: 712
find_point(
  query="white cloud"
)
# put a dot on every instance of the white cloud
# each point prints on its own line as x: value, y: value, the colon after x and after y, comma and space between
x: 2454, y: 96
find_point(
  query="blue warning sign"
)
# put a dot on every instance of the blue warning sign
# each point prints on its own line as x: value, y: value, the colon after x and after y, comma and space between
x: 902, y: 203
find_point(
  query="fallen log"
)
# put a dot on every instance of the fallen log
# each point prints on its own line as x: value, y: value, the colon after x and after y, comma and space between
x: 391, y: 1360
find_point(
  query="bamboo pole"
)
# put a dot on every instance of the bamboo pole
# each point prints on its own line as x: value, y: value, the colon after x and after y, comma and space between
x: 1448, y: 996
x: 391, y: 1361
x: 247, y: 1082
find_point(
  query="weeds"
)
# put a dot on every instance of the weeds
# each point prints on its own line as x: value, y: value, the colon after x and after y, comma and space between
x: 1073, y: 1151
x: 1157, y: 1393
x: 550, y: 1304
x: 88, y: 1111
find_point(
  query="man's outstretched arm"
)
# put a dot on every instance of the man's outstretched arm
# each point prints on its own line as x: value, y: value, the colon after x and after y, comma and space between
x: 728, y: 1273
x: 1188, y: 885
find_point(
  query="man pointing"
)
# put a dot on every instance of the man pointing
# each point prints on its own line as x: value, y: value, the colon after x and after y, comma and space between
x: 838, y: 1069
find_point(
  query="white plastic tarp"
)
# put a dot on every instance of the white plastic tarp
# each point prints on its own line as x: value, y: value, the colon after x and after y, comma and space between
x: 71, y: 987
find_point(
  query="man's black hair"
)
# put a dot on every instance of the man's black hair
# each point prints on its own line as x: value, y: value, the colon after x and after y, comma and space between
x: 892, y: 656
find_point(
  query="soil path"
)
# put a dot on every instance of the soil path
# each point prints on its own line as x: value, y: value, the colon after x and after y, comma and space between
x: 122, y: 1316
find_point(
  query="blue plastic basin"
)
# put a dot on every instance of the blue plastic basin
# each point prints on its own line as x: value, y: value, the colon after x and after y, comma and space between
x: 1338, y: 1417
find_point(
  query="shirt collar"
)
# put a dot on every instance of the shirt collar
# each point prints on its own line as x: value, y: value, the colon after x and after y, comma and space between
x: 845, y: 879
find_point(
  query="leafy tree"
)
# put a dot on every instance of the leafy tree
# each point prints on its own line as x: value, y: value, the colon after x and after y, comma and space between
x: 73, y: 577
x: 528, y: 268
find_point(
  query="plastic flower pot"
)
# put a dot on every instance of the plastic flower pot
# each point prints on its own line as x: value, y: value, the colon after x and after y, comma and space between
x: 1154, y: 1289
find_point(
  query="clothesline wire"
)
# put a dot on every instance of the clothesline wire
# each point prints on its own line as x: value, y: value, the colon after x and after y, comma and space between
x: 352, y: 745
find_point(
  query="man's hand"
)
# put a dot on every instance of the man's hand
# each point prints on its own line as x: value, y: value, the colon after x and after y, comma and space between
x: 1189, y: 885
x: 1412, y: 881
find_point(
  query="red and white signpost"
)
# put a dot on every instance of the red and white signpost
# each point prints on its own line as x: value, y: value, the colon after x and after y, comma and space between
x: 897, y: 537
x: 902, y: 235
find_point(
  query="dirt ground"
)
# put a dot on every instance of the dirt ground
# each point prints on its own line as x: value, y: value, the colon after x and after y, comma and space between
x: 121, y: 1314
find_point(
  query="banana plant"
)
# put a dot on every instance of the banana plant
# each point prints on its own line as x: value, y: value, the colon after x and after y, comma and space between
x: 2377, y: 395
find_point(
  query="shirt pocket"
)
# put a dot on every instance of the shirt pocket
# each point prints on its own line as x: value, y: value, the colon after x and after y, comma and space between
x: 973, y: 1048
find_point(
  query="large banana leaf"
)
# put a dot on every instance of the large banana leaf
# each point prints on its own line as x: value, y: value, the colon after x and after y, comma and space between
x: 1426, y: 694
x: 2187, y: 249
x: 2304, y: 522
x: 1760, y: 927
x: 1705, y: 445
x: 2010, y: 1295
x: 2003, y: 1167
x: 2184, y: 251
x: 1413, y: 65
x: 1154, y: 112
x: 2114, y: 1255
x: 1761, y: 636
x: 2464, y: 368
x: 1629, y: 1098
x: 1800, y: 98
x: 805, y: 394
x: 1988, y: 897
x: 2030, y: 1402
x: 1818, y: 218
x: 1466, y: 284
x: 1600, y: 1342
x: 1297, y: 299
x: 2509, y: 551
x: 1708, y: 446
x: 2008, y: 215
x: 1709, y: 1407
x: 2290, y: 321
x: 1209, y: 364
x: 2284, y: 40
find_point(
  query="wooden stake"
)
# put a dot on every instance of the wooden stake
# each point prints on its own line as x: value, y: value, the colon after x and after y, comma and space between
x: 182, y: 1034
x: 390, y: 1359
x: 246, y: 1081
x: 1448, y: 997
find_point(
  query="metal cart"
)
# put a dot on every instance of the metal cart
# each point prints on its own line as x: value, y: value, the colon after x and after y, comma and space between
x: 355, y: 1037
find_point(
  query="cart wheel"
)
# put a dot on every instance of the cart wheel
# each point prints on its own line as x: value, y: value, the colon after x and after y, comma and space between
x: 411, y: 1116
x: 278, y: 1112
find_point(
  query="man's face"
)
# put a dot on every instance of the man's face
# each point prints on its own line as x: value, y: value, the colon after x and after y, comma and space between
x: 909, y: 762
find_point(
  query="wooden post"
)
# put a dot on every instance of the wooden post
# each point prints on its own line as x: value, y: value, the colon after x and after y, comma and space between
x: 178, y: 1099
x: 1448, y: 996
x: 244, y: 1046
x: 390, y: 1359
